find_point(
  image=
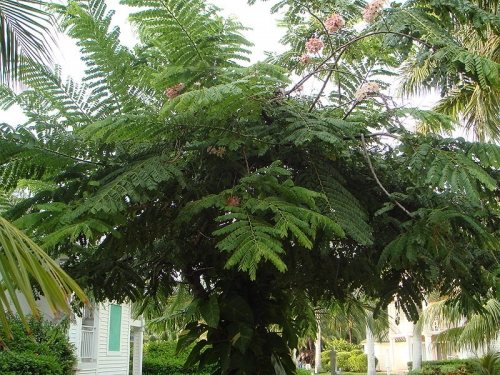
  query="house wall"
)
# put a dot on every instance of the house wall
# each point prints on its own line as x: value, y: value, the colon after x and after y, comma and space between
x: 106, y: 361
x: 113, y: 362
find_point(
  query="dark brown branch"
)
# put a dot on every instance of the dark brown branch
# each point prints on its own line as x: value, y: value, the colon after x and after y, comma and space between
x: 342, y: 49
x: 365, y: 151
x: 321, y: 91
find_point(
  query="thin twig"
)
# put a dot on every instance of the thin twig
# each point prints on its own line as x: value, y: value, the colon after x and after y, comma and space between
x: 321, y: 91
x: 365, y: 151
x: 372, y: 135
x: 343, y: 48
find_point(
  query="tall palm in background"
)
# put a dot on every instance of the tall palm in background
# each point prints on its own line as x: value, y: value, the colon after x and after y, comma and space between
x: 26, y: 31
x: 474, y: 332
x: 471, y: 99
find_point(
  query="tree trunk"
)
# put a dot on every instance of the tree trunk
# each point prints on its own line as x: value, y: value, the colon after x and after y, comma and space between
x: 370, y: 351
x: 417, y: 346
x: 317, y: 358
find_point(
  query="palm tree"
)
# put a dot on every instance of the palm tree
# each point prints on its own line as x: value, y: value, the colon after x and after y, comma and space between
x: 26, y: 31
x: 22, y: 262
x: 355, y: 320
x: 474, y: 332
x: 474, y: 102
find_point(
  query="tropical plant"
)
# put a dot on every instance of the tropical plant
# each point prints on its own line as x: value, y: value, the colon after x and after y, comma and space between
x: 26, y: 30
x: 22, y: 261
x: 476, y: 331
x: 177, y: 162
x: 472, y: 95
x: 46, y: 351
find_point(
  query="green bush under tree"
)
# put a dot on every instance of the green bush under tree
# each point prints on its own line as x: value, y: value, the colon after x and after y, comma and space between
x: 449, y: 367
x: 161, y: 358
x: 349, y: 357
x: 47, y: 351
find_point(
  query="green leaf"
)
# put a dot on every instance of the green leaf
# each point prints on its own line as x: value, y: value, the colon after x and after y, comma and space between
x: 241, y: 335
x: 209, y: 310
x: 235, y: 309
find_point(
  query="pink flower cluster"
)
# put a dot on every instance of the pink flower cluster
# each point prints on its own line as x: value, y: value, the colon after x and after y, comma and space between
x: 174, y: 91
x: 314, y: 45
x: 334, y: 23
x: 365, y: 89
x: 219, y: 151
x: 304, y: 59
x: 371, y: 10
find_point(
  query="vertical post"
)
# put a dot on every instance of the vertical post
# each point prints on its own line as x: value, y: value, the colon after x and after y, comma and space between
x: 333, y: 362
x: 138, y: 333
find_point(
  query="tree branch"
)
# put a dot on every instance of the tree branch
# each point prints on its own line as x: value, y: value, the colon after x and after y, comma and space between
x: 378, y: 181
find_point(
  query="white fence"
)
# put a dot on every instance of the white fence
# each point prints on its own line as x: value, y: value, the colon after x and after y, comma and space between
x: 87, y: 345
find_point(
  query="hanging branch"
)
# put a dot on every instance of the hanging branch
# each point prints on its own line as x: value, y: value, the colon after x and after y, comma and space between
x: 365, y: 151
x: 320, y: 91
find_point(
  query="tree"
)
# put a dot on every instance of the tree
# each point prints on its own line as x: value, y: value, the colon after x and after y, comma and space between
x: 26, y: 30
x: 477, y: 331
x: 176, y: 163
x: 471, y: 100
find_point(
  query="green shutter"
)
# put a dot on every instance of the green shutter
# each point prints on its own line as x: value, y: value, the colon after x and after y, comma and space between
x: 115, y: 324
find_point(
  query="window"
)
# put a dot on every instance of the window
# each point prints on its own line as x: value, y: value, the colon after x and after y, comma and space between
x: 115, y: 323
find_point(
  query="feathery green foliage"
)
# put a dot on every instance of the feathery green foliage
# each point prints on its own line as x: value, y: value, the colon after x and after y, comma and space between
x: 179, y: 163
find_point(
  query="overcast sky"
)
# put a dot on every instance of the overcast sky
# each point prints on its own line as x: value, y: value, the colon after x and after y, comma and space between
x: 264, y: 35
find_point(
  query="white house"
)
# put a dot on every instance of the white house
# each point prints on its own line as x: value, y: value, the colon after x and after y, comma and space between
x: 394, y: 354
x: 106, y: 339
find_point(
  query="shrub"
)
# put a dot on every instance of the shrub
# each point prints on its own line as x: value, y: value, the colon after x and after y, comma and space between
x: 12, y: 363
x: 47, y: 352
x: 449, y: 367
x: 341, y: 345
x: 343, y: 360
x: 358, y: 362
x: 160, y: 358
x: 326, y: 360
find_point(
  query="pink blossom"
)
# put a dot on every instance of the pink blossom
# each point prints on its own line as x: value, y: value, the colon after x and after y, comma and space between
x: 174, y: 91
x: 334, y: 23
x: 304, y: 59
x: 366, y: 89
x: 371, y: 10
x: 314, y: 45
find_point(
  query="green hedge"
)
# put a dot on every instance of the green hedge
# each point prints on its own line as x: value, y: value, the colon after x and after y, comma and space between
x: 449, y: 367
x: 160, y: 359
x: 358, y: 363
x: 12, y: 363
x: 47, y: 352
x: 343, y: 360
x: 353, y: 361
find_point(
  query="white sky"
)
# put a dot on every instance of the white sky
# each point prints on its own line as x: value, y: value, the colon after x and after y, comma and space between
x: 264, y: 33
x: 265, y: 36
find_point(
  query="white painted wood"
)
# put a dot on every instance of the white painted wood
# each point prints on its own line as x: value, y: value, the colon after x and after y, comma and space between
x: 370, y: 351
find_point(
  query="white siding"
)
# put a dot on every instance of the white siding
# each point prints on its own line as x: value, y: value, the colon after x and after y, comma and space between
x: 74, y: 334
x: 113, y: 363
